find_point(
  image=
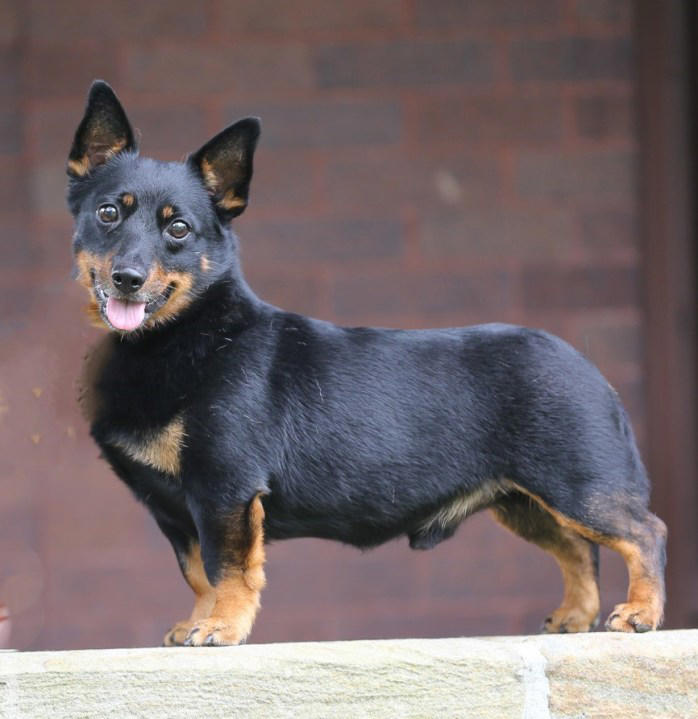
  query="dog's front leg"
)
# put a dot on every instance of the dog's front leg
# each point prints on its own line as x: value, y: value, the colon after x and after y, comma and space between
x: 232, y: 550
x: 189, y: 557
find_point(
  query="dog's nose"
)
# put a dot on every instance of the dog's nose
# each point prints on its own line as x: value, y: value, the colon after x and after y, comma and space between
x: 127, y: 279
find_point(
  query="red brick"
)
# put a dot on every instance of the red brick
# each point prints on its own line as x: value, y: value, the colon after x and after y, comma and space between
x: 611, y: 13
x: 604, y: 229
x: 50, y: 128
x: 371, y: 181
x: 479, y: 14
x: 294, y: 291
x: 68, y: 71
x: 570, y: 59
x: 404, y: 64
x: 607, y: 177
x: 326, y: 124
x: 168, y: 133
x: 338, y: 240
x: 608, y: 341
x: 580, y: 288
x: 43, y: 247
x: 10, y: 22
x: 427, y: 295
x: 237, y: 69
x: 10, y: 75
x: 144, y: 600
x: 132, y: 19
x: 10, y: 132
x: 500, y: 233
x: 47, y: 187
x: 20, y: 248
x: 339, y: 575
x: 280, y: 182
x: 269, y: 16
x: 501, y: 562
x: 520, y: 119
x: 600, y: 117
x: 18, y: 515
x: 13, y: 189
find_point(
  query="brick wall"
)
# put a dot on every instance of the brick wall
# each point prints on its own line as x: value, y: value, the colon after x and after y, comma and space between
x: 423, y: 162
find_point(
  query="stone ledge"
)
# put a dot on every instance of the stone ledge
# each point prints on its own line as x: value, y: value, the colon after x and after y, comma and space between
x: 567, y: 677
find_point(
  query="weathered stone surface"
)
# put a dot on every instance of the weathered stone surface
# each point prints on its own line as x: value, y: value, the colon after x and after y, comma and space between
x: 597, y: 675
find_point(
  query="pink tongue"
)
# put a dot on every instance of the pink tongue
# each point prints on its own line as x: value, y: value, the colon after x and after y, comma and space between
x: 125, y: 315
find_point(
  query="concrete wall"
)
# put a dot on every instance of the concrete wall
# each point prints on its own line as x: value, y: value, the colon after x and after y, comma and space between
x: 594, y: 676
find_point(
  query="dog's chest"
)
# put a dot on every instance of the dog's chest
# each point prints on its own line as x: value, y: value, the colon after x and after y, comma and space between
x: 159, y: 448
x: 141, y: 418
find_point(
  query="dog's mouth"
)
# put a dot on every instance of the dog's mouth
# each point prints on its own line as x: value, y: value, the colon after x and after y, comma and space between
x: 128, y: 314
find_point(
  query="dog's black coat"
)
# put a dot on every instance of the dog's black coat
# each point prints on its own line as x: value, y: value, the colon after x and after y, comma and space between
x: 355, y: 434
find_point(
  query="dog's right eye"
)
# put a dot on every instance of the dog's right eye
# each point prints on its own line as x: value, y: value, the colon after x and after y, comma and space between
x: 108, y: 214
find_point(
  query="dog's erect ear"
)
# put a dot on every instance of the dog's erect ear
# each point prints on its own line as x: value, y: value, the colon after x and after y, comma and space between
x: 225, y: 166
x: 103, y: 132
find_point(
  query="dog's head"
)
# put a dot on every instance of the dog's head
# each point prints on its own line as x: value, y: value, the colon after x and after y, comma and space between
x: 151, y: 236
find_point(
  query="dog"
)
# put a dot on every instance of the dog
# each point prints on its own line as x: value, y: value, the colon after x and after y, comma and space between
x: 237, y: 423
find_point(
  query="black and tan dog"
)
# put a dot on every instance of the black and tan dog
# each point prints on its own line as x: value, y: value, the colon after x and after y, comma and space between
x: 237, y: 423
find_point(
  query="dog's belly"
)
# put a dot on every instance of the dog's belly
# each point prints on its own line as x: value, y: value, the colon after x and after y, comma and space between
x: 426, y: 526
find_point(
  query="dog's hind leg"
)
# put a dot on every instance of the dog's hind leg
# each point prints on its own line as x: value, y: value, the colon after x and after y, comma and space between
x: 640, y: 538
x: 645, y: 557
x: 576, y: 557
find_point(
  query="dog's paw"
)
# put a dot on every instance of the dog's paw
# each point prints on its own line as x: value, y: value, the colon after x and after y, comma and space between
x: 633, y: 617
x: 176, y: 636
x: 568, y: 622
x: 213, y: 632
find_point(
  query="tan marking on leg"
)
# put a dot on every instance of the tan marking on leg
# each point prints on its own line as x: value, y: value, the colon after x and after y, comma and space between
x: 645, y: 607
x: 579, y: 611
x: 161, y: 449
x: 238, y: 591
x: 580, y: 605
x: 204, y: 598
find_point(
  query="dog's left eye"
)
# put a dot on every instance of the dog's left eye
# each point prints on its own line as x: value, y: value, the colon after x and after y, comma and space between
x: 108, y: 213
x: 179, y: 229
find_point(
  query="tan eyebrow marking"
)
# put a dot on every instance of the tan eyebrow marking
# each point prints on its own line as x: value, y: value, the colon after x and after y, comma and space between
x: 127, y: 199
x: 166, y: 211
